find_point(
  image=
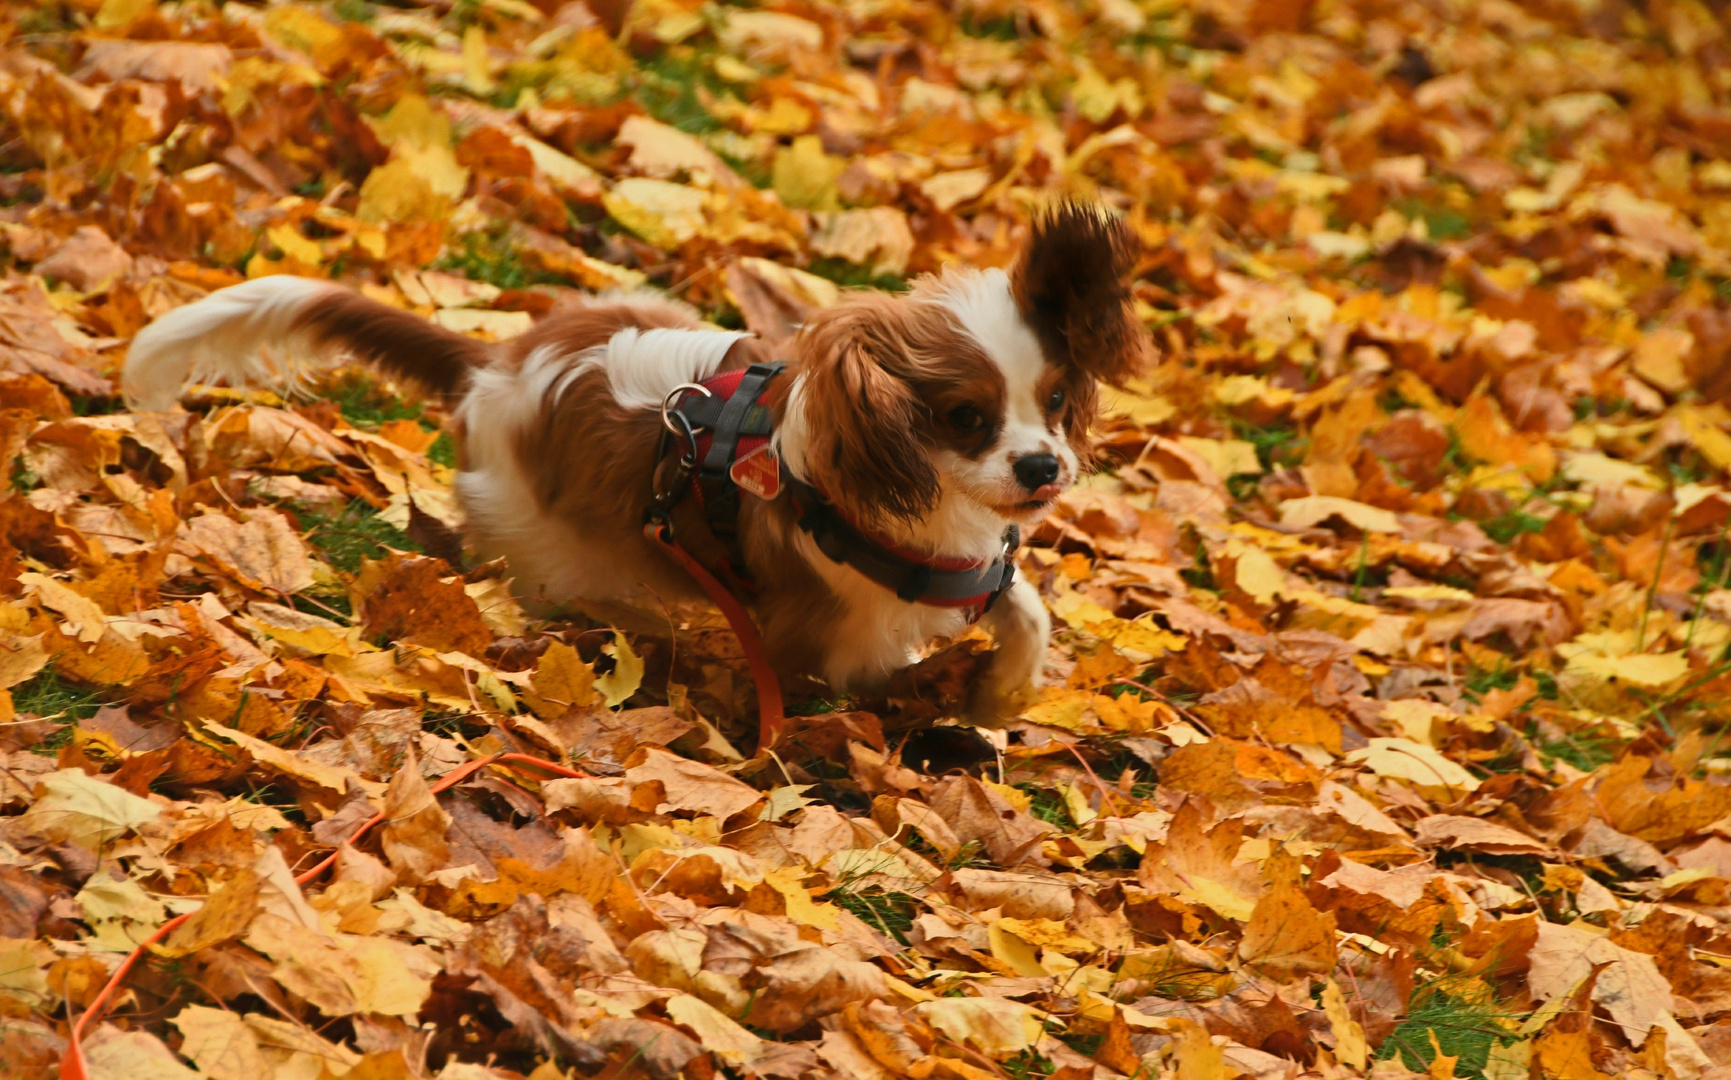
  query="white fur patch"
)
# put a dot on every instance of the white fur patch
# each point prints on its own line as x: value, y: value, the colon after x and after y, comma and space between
x: 643, y: 366
x: 984, y: 307
x: 246, y: 333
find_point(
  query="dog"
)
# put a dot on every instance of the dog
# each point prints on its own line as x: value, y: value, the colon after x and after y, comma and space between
x: 914, y: 432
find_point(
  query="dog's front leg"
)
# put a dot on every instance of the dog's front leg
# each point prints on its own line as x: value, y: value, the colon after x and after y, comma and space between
x: 1020, y: 625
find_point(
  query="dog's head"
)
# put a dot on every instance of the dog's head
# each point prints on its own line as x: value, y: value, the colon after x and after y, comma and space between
x: 977, y: 387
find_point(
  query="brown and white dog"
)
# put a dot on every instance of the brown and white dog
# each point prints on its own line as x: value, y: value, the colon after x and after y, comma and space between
x: 932, y: 421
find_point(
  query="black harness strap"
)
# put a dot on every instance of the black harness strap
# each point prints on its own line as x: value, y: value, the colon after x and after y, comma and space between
x: 915, y: 582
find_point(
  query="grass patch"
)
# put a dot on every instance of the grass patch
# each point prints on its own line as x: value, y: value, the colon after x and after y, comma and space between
x: 1443, y: 222
x: 1480, y: 681
x: 490, y: 257
x: 343, y: 540
x: 852, y: 276
x: 884, y: 910
x: 1510, y: 524
x: 667, y: 88
x: 48, y: 696
x: 1027, y: 1065
x: 817, y: 706
x: 1585, y: 750
x: 1275, y: 446
x: 1463, y: 1027
x: 365, y: 404
x: 1048, y: 806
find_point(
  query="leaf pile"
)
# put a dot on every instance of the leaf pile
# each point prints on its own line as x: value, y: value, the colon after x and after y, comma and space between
x: 1386, y: 731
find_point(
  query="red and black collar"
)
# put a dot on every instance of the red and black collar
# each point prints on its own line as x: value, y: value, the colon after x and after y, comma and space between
x: 726, y: 433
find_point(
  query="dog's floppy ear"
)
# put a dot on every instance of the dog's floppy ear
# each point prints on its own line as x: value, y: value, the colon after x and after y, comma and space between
x: 863, y: 419
x: 1072, y: 285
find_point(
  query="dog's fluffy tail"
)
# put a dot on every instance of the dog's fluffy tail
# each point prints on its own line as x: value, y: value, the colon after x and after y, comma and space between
x: 275, y: 330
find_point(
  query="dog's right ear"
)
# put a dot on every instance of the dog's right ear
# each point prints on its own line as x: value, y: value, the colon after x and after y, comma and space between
x: 863, y: 421
x: 1072, y: 285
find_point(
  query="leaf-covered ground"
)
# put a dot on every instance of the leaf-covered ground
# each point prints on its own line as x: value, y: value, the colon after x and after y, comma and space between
x: 1387, y: 722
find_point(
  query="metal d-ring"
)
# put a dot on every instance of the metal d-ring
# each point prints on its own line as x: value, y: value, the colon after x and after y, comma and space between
x: 667, y: 404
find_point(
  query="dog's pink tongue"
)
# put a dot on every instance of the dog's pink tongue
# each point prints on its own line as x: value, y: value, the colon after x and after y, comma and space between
x: 1046, y: 493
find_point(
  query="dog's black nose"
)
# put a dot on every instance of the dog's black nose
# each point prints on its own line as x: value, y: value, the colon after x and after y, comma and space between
x: 1036, y: 471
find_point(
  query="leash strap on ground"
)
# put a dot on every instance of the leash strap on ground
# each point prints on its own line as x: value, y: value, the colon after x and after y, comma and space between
x: 769, y: 705
x: 73, y: 1065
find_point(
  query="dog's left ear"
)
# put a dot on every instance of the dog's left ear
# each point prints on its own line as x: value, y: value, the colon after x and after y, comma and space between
x: 1072, y: 284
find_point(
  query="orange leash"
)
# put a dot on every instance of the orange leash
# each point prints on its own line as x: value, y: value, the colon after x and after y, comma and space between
x: 771, y: 718
x: 73, y: 1067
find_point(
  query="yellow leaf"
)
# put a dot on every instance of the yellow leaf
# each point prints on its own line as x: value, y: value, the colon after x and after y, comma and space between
x: 133, y: 1055
x: 24, y: 966
x: 118, y: 13
x: 1350, y: 1047
x: 627, y: 675
x: 1256, y: 572
x: 1141, y: 639
x: 1709, y: 440
x: 1602, y: 471
x: 561, y: 682
x: 719, y: 1035
x: 306, y: 635
x: 799, y: 904
x: 414, y: 120
x: 1659, y: 359
x: 119, y: 912
x: 1079, y: 611
x: 294, y: 245
x: 418, y: 184
x: 1313, y: 510
x: 220, y: 1044
x: 477, y: 63
x: 1059, y: 707
x: 344, y: 974
x: 662, y: 213
x: 492, y: 325
x: 1404, y: 759
x: 86, y: 811
x: 1014, y: 953
x: 785, y: 800
x: 804, y: 176
x: 1146, y: 410
x: 79, y: 617
x: 20, y: 658
x: 1047, y: 933
x: 305, y: 29
x: 1227, y: 457
x: 993, y: 1026
x: 1647, y: 670
x: 948, y: 190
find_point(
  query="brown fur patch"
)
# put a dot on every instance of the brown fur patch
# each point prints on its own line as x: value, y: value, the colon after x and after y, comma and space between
x: 882, y: 376
x: 1072, y: 286
x: 399, y: 343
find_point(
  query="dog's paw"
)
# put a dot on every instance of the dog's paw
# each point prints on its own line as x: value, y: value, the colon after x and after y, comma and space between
x: 995, y: 702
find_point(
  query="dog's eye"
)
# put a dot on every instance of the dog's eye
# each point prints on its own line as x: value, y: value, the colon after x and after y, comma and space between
x: 967, y: 418
x: 1055, y: 401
